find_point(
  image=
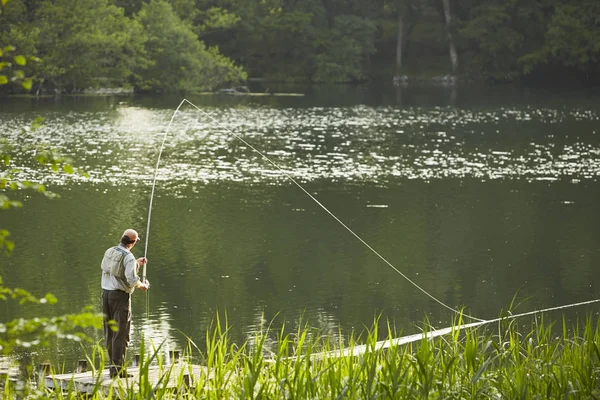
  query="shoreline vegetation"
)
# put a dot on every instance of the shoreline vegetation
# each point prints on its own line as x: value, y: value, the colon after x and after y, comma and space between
x: 66, y: 46
x: 505, y: 360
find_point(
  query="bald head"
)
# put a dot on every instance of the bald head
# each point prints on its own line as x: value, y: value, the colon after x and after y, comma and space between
x: 130, y: 236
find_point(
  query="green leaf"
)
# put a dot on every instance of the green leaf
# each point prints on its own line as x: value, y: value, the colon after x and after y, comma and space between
x: 9, y: 246
x: 3, y: 80
x: 20, y: 60
x: 4, y: 2
x: 68, y: 168
x: 9, y: 48
x: 50, y: 298
x: 27, y: 83
x: 37, y: 123
x: 1, y: 53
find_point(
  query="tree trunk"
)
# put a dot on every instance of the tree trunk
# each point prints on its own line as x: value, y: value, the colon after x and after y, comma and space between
x: 453, y: 53
x: 399, y: 43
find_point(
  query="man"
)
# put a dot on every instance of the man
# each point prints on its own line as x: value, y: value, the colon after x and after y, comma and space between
x: 119, y: 280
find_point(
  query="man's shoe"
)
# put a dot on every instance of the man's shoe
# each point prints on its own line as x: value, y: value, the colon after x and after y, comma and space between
x: 119, y: 373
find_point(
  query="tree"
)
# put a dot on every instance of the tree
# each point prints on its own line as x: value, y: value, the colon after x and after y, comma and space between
x: 497, y: 43
x: 86, y: 43
x: 14, y: 65
x: 449, y: 29
x: 179, y: 61
x: 572, y: 38
x: 346, y: 50
x: 406, y: 14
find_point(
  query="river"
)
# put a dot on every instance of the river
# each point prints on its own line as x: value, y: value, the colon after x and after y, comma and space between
x: 482, y: 197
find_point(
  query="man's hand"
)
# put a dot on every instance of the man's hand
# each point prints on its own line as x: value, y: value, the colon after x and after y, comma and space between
x: 144, y: 285
x: 140, y: 261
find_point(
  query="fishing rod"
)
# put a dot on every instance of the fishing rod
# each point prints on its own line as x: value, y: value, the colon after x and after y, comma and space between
x: 162, y: 145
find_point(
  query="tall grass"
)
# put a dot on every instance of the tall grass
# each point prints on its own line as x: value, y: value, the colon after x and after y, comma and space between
x: 502, y: 361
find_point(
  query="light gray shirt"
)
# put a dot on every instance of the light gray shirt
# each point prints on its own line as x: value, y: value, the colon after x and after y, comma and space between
x: 112, y: 282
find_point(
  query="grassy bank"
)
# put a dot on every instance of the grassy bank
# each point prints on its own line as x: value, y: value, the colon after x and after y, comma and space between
x: 503, y: 361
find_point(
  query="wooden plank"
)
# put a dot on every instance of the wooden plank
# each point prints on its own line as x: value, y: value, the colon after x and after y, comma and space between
x: 87, y: 382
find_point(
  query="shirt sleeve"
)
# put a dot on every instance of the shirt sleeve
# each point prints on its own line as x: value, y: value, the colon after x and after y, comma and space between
x: 130, y: 271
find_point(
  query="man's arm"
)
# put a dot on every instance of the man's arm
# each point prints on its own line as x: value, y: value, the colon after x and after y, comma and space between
x: 131, y: 267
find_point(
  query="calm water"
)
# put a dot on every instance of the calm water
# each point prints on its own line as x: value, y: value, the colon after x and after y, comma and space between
x: 478, y: 196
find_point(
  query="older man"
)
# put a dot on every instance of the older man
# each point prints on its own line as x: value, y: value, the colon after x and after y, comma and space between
x: 119, y: 280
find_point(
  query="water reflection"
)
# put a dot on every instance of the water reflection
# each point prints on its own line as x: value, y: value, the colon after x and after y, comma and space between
x: 158, y: 334
x: 361, y: 144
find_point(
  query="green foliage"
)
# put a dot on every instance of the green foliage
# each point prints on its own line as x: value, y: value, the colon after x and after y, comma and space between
x: 498, y: 44
x: 37, y: 332
x: 179, y: 60
x: 119, y: 43
x: 215, y: 18
x: 86, y: 43
x: 276, y: 31
x: 571, y: 39
x: 345, y: 50
x: 512, y: 39
x: 11, y: 70
x: 15, y: 67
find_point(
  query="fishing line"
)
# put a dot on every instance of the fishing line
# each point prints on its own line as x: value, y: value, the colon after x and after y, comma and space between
x: 480, y: 321
x: 301, y: 188
x: 358, y: 350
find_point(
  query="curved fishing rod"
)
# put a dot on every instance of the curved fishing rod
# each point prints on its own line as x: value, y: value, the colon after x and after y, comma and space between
x: 162, y: 145
x: 320, y: 205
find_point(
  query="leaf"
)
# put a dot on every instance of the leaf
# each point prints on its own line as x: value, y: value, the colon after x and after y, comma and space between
x: 50, y: 298
x: 37, y: 123
x: 9, y: 48
x: 9, y: 246
x: 68, y: 168
x: 3, y: 80
x: 4, y: 2
x: 27, y: 83
x: 20, y: 60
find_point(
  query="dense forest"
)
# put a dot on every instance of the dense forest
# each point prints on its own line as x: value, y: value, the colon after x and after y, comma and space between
x: 183, y: 45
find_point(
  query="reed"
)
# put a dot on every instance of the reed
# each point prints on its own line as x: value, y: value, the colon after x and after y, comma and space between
x: 501, y: 361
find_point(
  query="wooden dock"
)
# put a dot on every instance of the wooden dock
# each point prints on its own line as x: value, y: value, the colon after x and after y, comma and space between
x: 170, y: 376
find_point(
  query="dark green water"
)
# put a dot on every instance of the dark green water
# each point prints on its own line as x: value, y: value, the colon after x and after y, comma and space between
x: 477, y: 196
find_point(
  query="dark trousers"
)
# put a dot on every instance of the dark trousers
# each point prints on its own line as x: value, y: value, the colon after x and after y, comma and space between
x: 116, y: 306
